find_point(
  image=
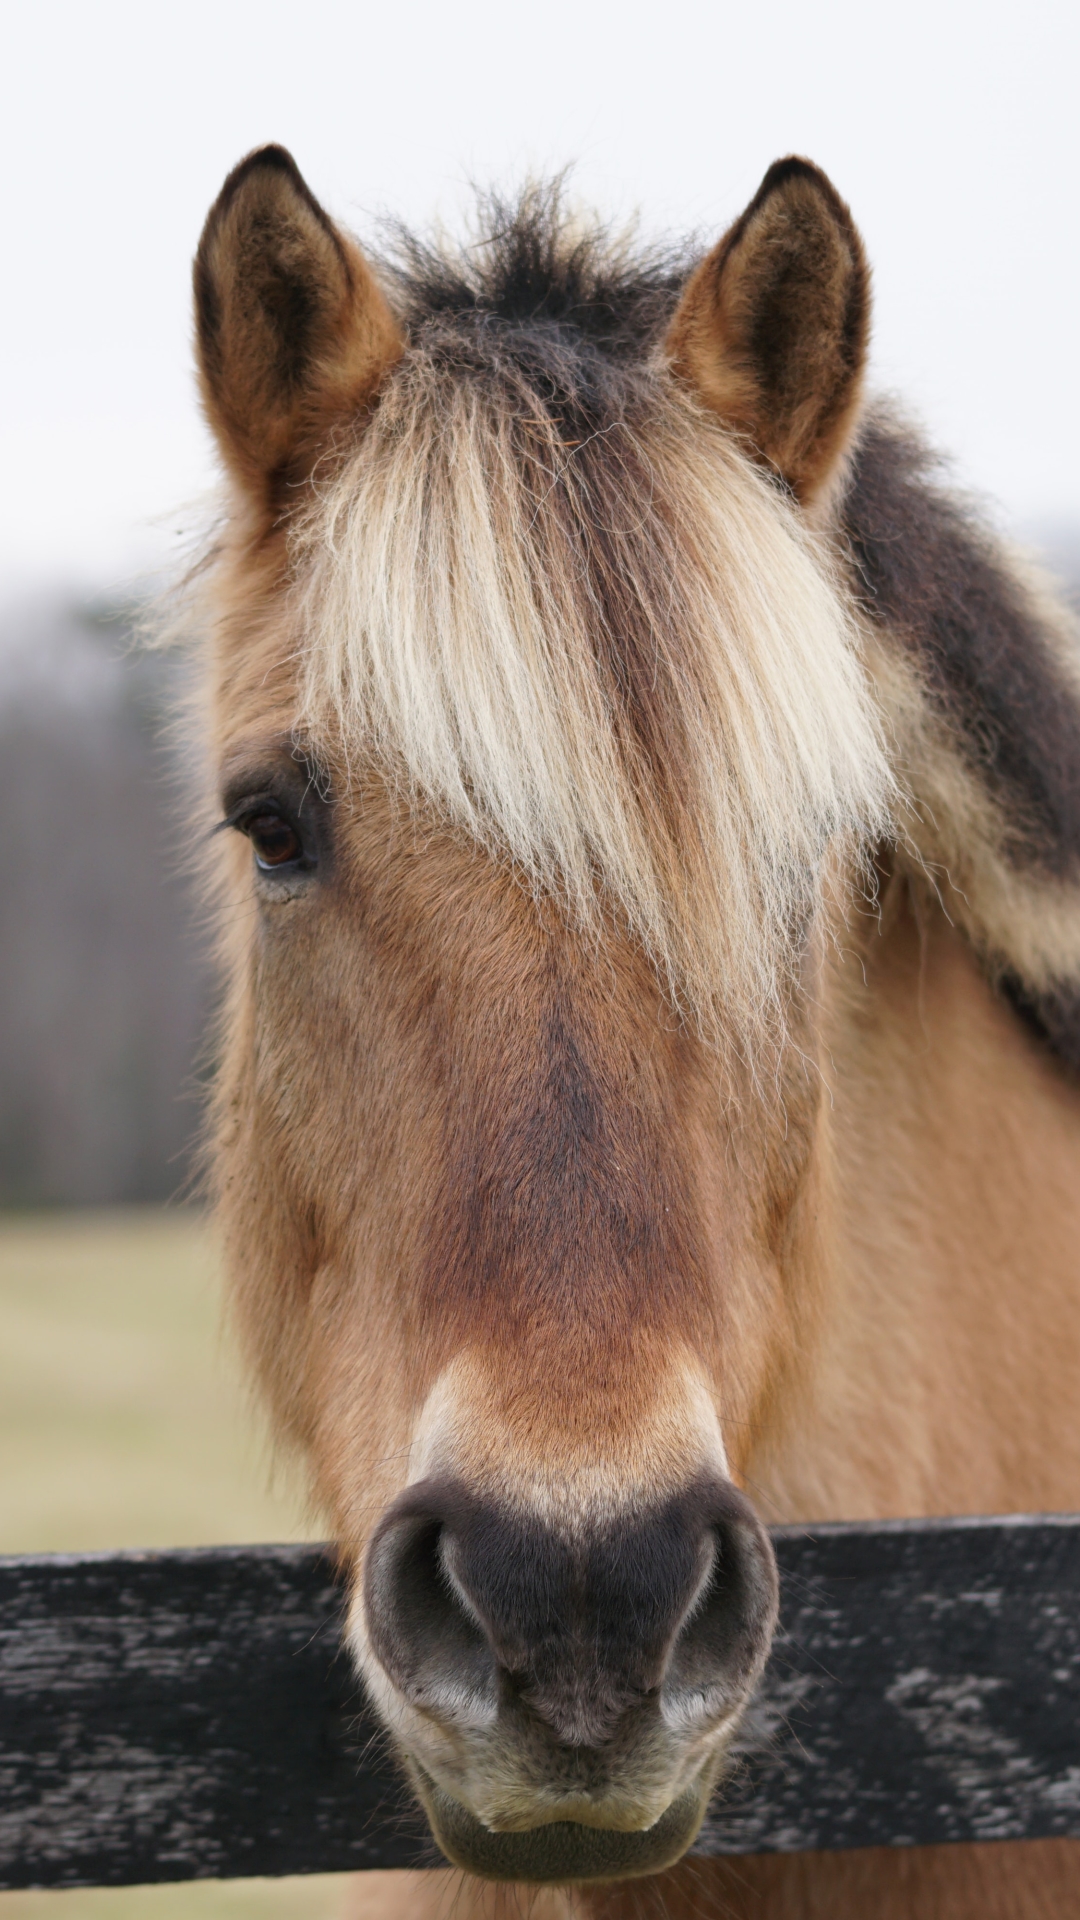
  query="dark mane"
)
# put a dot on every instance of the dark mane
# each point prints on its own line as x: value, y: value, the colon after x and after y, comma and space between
x: 931, y: 572
x: 533, y: 264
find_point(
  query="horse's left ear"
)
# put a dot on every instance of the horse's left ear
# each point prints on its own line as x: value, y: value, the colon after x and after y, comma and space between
x: 293, y: 330
x: 772, y: 328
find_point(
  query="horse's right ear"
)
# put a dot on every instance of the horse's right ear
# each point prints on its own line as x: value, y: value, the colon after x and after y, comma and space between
x: 293, y: 331
x: 772, y: 328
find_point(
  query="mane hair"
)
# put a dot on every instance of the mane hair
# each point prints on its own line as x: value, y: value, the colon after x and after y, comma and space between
x: 534, y: 261
x: 930, y: 570
x: 976, y: 660
x: 558, y: 604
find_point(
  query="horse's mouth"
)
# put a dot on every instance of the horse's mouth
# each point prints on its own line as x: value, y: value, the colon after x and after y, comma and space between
x: 563, y: 1850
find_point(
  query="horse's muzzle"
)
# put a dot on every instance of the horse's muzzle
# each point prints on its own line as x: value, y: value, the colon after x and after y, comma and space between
x: 564, y: 1693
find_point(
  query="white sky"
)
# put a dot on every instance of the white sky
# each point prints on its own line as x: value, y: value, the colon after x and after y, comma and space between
x: 952, y: 128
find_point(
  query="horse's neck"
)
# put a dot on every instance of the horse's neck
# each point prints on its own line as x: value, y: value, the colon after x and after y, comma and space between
x: 948, y: 1375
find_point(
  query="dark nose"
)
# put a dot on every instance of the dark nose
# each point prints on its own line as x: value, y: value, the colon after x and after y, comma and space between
x: 476, y: 1611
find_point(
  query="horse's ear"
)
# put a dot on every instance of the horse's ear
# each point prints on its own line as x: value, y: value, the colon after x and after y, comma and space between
x: 772, y: 328
x: 293, y: 330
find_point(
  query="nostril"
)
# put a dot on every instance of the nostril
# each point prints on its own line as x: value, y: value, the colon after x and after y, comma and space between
x: 724, y: 1640
x: 421, y: 1626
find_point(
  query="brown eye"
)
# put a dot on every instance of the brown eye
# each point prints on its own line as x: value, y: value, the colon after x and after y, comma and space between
x: 276, y: 844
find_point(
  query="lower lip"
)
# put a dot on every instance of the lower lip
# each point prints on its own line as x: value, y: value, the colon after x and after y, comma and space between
x: 563, y: 1850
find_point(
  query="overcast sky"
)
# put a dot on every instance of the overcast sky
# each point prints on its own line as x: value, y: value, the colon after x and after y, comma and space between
x: 952, y: 129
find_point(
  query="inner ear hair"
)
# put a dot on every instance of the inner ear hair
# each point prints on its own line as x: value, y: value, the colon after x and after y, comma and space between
x: 773, y: 327
x: 293, y: 331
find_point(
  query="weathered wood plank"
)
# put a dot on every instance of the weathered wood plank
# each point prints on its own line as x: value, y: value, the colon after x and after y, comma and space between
x: 924, y: 1687
x: 170, y: 1716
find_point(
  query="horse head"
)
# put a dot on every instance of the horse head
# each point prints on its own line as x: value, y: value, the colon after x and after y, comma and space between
x: 538, y: 710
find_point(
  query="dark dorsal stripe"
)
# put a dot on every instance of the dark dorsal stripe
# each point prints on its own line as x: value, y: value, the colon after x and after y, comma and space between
x: 929, y: 571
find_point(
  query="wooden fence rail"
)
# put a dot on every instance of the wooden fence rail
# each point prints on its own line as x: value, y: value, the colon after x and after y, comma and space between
x: 168, y: 1716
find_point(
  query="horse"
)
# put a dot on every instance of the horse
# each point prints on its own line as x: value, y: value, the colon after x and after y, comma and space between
x: 649, y: 901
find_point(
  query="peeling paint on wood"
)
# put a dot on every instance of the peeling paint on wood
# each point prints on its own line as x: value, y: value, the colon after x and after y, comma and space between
x: 169, y: 1716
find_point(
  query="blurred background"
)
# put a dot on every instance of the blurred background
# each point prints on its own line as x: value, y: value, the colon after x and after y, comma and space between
x: 952, y: 129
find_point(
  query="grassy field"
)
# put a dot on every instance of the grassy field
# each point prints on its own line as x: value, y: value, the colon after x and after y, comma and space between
x: 123, y: 1424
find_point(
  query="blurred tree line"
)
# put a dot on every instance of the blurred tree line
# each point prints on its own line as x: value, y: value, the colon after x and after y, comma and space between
x: 104, y: 978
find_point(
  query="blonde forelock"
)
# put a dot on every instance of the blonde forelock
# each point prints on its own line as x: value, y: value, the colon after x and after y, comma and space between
x: 595, y: 637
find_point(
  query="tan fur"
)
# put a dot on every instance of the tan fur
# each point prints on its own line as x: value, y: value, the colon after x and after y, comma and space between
x: 578, y: 1125
x: 1035, y: 1880
x: 472, y: 1420
x: 434, y: 908
x: 443, y: 1894
x: 1023, y: 1880
x: 957, y: 1210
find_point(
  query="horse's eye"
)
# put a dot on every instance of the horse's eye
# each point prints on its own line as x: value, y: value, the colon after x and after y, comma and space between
x: 276, y: 844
